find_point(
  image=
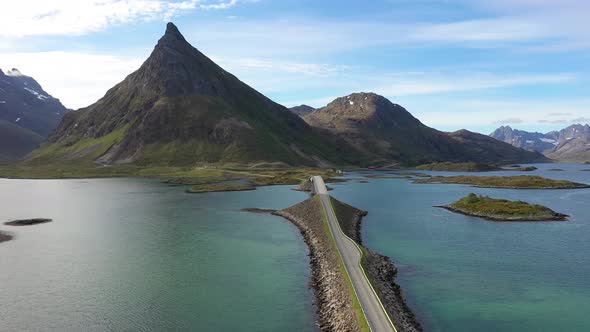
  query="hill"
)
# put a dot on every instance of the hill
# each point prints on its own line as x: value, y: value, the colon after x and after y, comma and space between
x: 181, y: 108
x: 387, y: 131
x: 302, y: 110
x: 16, y: 142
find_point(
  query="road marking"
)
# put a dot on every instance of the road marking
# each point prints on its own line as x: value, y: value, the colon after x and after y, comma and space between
x: 363, y: 270
x: 323, y: 191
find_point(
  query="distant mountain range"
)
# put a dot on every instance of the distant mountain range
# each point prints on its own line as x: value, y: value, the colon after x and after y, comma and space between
x: 569, y: 144
x: 180, y: 108
x: 27, y: 114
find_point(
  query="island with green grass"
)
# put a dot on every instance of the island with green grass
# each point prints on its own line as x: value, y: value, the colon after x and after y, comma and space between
x: 502, y: 210
x: 506, y: 182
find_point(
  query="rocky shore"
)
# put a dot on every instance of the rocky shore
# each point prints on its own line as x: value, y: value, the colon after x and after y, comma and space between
x: 28, y: 222
x: 5, y: 237
x: 379, y: 269
x: 554, y: 217
x: 333, y: 299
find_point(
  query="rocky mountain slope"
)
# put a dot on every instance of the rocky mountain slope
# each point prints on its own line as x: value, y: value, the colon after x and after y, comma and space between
x: 179, y: 108
x: 571, y: 143
x: 302, y: 110
x: 386, y: 131
x: 31, y: 112
x: 16, y: 142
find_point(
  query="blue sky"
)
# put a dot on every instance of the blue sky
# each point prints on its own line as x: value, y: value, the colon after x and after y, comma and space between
x: 453, y: 64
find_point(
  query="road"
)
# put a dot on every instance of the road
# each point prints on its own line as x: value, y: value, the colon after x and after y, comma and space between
x: 351, y: 256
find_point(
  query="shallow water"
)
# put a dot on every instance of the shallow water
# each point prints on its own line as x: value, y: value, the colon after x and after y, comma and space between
x: 466, y: 274
x: 137, y: 255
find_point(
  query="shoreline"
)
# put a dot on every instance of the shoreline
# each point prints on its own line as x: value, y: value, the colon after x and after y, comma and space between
x: 5, y: 237
x: 557, y: 217
x: 28, y: 222
x: 335, y: 309
x: 380, y: 270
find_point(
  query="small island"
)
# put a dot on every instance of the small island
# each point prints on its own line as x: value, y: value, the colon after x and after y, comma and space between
x: 4, y: 237
x: 28, y: 222
x: 507, y: 182
x: 258, y: 210
x: 502, y: 210
x: 208, y: 188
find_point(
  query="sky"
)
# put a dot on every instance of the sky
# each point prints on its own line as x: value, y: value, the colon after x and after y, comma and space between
x: 454, y: 64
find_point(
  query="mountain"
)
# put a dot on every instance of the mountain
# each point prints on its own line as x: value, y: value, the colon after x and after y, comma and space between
x: 24, y: 103
x: 302, y: 110
x: 525, y: 140
x: 387, y: 131
x: 180, y: 108
x: 571, y: 143
x: 27, y: 114
x: 16, y: 142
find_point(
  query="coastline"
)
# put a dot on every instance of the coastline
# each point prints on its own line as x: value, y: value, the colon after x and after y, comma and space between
x: 5, y: 237
x: 333, y: 302
x: 380, y: 270
x: 335, y: 309
x: 557, y: 217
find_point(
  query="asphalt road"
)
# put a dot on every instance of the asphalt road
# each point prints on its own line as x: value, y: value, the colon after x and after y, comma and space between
x: 351, y: 256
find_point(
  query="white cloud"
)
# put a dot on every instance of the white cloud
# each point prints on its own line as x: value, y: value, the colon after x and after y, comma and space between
x: 426, y: 84
x: 77, y: 79
x: 276, y: 66
x: 485, y: 113
x: 220, y: 5
x: 77, y: 17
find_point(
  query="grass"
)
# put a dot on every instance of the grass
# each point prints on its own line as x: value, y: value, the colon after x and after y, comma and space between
x: 85, y: 150
x: 207, y: 188
x: 360, y: 315
x: 187, y: 175
x: 513, y: 182
x: 503, y: 210
x: 458, y: 167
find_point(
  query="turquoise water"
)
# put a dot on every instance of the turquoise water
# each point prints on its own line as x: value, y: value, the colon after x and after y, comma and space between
x: 136, y: 255
x: 466, y: 274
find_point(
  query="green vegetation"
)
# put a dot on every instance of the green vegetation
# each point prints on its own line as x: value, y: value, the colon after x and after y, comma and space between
x: 16, y: 142
x: 503, y: 210
x: 83, y: 151
x: 458, y: 167
x: 512, y: 182
x: 207, y: 188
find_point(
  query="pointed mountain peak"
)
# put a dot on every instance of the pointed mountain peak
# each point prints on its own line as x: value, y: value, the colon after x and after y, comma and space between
x: 172, y: 33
